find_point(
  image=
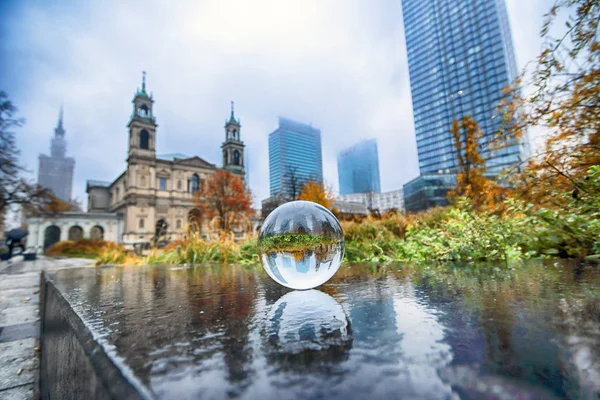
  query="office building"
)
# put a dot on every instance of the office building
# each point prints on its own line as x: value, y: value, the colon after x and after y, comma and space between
x: 55, y: 172
x: 294, y: 157
x: 358, y: 168
x: 460, y: 57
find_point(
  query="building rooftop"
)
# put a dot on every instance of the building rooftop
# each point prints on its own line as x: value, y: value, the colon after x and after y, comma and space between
x: 295, y: 126
x: 172, y: 156
x: 97, y: 183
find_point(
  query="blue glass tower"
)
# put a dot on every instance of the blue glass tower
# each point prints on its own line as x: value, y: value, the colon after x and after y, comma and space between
x: 460, y: 57
x: 358, y: 168
x: 294, y: 157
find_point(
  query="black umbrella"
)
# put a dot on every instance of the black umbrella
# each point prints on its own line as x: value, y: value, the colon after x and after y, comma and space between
x: 17, y: 233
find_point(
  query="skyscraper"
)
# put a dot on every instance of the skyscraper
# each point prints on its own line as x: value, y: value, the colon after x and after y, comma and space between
x: 55, y: 172
x: 460, y: 57
x: 294, y: 157
x: 358, y: 168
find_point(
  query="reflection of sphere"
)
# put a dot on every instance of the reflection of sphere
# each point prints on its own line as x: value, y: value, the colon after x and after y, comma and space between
x: 307, y: 321
x: 301, y: 244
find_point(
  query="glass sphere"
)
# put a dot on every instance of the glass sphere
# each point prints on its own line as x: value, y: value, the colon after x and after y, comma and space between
x: 301, y: 244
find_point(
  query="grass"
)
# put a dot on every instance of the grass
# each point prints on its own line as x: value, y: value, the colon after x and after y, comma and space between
x: 84, y: 248
x: 292, y: 243
x: 458, y: 233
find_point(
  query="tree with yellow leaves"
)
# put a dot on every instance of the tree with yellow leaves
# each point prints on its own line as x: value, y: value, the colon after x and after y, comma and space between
x: 316, y: 192
x: 471, y: 181
x: 564, y: 102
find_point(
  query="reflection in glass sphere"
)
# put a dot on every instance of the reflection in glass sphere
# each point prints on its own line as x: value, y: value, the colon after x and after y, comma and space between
x: 308, y: 321
x: 301, y: 244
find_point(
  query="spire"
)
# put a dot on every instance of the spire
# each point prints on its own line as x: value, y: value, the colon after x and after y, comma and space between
x: 143, y: 91
x: 60, y: 131
x: 232, y: 119
x: 60, y: 116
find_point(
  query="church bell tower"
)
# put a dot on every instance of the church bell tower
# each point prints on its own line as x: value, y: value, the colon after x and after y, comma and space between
x: 233, y: 147
x: 142, y: 125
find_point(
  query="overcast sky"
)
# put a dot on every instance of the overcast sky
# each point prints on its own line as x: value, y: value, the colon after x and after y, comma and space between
x: 339, y: 64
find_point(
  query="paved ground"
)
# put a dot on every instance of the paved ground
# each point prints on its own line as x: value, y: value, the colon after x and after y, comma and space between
x: 19, y: 322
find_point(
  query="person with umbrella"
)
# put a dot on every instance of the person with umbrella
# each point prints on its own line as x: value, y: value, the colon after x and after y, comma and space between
x: 14, y: 238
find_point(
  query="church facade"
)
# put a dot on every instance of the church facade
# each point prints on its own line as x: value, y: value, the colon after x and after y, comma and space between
x: 55, y: 172
x: 155, y: 194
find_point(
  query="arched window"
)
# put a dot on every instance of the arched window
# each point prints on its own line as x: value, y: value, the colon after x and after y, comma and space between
x: 194, y: 183
x: 142, y: 181
x: 161, y: 229
x: 235, y: 134
x: 144, y: 139
x: 178, y: 224
x: 51, y: 236
x: 141, y: 225
x: 143, y: 111
x: 97, y: 233
x: 75, y: 233
x: 179, y: 185
x: 236, y: 158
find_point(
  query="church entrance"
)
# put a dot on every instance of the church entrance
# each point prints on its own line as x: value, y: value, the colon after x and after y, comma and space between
x: 51, y: 236
x: 160, y: 232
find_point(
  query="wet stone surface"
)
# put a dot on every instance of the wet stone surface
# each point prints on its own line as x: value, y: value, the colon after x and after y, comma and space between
x: 372, y: 331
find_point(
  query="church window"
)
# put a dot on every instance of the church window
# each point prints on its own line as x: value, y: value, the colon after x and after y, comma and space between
x: 235, y: 134
x: 75, y: 233
x: 143, y: 111
x: 162, y: 183
x: 143, y: 181
x: 179, y: 185
x: 178, y: 224
x: 194, y: 183
x: 144, y: 139
x: 236, y: 158
x: 141, y: 225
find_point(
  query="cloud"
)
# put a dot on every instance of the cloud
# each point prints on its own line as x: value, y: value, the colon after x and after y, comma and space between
x: 338, y: 65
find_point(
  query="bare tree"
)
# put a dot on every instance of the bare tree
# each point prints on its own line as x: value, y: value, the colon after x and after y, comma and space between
x: 14, y: 189
x: 292, y: 183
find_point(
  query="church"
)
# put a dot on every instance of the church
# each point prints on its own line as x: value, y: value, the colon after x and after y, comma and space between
x: 154, y: 196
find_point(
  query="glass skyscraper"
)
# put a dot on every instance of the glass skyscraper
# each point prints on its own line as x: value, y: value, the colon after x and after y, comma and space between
x: 358, y: 168
x: 294, y: 157
x: 460, y: 57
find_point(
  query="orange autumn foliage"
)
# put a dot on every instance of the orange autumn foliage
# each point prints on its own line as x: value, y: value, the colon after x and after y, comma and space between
x: 316, y: 192
x: 224, y: 196
x: 471, y: 181
x: 564, y: 103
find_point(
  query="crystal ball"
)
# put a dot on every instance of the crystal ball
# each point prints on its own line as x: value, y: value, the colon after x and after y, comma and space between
x: 301, y: 245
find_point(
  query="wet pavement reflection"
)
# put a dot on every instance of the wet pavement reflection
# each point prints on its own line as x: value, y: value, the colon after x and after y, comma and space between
x: 373, y: 331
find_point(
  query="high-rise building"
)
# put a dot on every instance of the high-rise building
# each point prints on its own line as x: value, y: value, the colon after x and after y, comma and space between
x: 358, y: 168
x: 294, y: 157
x: 55, y: 172
x: 460, y: 57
